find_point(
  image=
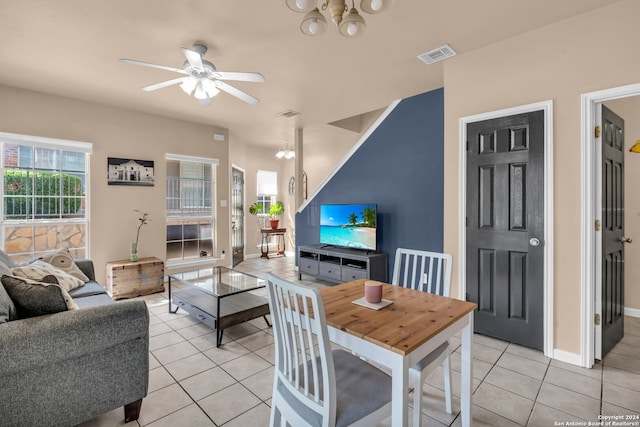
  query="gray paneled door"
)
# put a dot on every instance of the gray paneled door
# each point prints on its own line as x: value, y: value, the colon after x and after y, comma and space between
x: 613, y: 239
x: 505, y: 227
x: 237, y: 215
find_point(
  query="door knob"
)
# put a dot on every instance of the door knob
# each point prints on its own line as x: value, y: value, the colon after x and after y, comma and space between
x: 534, y: 242
x: 626, y: 239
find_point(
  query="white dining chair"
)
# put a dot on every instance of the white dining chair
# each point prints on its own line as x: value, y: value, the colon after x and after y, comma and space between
x: 428, y: 272
x: 314, y: 385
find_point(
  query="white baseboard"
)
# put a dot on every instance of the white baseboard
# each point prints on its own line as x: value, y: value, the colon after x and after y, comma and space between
x: 633, y: 312
x: 567, y: 357
x: 287, y: 253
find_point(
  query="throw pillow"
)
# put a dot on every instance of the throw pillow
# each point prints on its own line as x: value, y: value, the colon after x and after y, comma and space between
x: 39, y: 269
x: 63, y: 260
x: 36, y: 299
x: 7, y: 307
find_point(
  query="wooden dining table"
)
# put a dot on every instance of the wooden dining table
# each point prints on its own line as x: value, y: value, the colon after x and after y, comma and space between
x: 400, y: 334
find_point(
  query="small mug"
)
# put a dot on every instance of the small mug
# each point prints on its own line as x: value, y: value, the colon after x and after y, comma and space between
x: 373, y: 291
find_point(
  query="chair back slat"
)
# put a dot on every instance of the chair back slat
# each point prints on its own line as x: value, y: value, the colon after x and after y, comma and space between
x: 304, y: 364
x: 422, y: 270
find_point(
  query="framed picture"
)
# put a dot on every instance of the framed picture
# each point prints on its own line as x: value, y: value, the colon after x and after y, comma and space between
x: 129, y: 172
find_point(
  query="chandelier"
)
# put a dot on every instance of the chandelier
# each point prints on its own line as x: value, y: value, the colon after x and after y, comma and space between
x: 352, y: 25
x: 286, y: 153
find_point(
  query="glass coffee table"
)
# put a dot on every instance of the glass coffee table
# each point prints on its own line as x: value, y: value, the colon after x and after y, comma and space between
x: 220, y: 297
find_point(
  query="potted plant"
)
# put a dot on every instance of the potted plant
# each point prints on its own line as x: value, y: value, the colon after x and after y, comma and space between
x: 275, y: 210
x: 256, y: 208
x: 134, y: 246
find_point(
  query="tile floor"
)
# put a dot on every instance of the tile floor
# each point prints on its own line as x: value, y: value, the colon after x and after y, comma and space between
x: 193, y: 383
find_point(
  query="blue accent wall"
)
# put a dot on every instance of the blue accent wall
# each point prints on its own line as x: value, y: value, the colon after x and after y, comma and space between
x: 400, y: 167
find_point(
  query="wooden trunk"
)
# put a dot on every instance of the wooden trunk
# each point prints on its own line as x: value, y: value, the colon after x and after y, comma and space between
x: 127, y: 279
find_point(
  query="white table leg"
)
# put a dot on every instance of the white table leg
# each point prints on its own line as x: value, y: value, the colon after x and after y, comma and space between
x: 400, y: 393
x: 467, y: 373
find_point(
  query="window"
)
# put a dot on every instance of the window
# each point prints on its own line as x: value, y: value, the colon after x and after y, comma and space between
x: 44, y: 191
x: 267, y: 192
x: 190, y: 203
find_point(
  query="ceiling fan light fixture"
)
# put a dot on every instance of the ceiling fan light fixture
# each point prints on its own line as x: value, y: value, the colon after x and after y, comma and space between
x: 199, y: 92
x: 353, y: 24
x: 210, y: 88
x: 314, y: 23
x: 188, y: 84
x: 202, y: 80
x: 375, y: 6
x: 301, y: 6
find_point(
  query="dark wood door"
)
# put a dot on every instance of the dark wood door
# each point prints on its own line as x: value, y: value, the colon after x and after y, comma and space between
x: 505, y: 227
x: 612, y: 229
x: 237, y: 216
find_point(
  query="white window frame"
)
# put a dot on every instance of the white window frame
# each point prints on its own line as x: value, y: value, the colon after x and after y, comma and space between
x: 82, y: 147
x: 175, y: 262
x: 267, y: 193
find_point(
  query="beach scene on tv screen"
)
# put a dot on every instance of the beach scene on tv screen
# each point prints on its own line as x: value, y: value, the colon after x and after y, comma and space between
x: 352, y: 226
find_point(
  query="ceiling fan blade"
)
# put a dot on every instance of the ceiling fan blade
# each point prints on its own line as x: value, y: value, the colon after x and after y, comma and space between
x: 239, y: 76
x: 163, y: 84
x: 194, y: 58
x: 237, y: 93
x: 147, y: 64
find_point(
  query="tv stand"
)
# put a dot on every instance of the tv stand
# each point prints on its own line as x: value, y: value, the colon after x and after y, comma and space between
x: 340, y: 265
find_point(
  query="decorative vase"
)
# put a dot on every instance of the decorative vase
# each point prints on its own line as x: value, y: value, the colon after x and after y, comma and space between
x: 134, y: 252
x: 274, y: 223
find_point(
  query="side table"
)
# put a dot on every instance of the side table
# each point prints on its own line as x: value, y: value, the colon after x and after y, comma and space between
x: 127, y: 279
x: 264, y: 247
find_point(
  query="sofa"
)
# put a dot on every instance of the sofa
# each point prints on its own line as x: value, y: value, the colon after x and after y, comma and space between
x: 66, y: 367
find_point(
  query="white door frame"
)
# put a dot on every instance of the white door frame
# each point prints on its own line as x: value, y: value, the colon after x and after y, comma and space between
x: 547, y: 107
x: 591, y: 253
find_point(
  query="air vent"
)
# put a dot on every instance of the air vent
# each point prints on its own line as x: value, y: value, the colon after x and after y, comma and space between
x: 288, y: 113
x: 438, y: 54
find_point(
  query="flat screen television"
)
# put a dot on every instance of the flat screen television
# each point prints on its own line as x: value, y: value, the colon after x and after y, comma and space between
x: 349, y: 225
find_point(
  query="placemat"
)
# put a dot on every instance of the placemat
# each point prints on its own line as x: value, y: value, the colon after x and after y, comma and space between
x: 376, y: 306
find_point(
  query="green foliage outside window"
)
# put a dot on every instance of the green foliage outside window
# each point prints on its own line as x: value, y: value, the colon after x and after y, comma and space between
x: 41, y: 195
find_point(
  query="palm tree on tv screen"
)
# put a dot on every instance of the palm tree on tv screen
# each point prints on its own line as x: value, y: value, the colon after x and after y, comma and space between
x: 369, y: 216
x: 353, y: 218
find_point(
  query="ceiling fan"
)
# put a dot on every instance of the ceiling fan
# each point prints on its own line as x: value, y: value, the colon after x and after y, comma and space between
x: 202, y: 78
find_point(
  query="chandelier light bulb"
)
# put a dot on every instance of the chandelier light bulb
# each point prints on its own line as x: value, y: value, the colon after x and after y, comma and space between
x: 314, y: 27
x: 301, y: 6
x: 314, y: 23
x: 375, y: 6
x: 353, y: 24
x: 352, y: 29
x: 286, y: 153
